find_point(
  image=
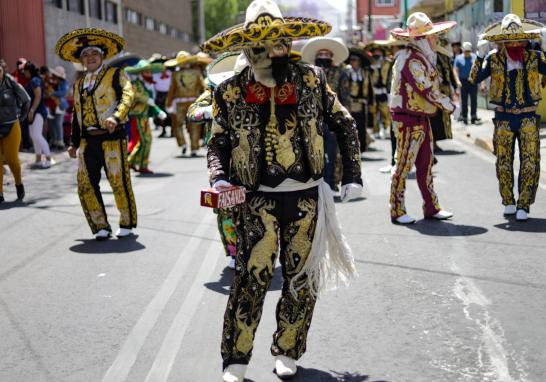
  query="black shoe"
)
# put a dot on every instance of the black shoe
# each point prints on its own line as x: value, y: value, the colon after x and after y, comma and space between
x: 476, y: 122
x: 20, y: 191
x: 476, y: 119
x: 2, y: 198
x: 434, y: 160
x: 465, y: 121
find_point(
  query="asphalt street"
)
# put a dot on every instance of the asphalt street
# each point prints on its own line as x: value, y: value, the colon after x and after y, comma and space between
x: 462, y: 300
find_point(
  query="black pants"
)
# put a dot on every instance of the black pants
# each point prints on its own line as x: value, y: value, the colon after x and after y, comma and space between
x: 467, y: 90
x: 160, y: 99
x: 393, y: 147
x: 330, y: 153
x: 360, y: 119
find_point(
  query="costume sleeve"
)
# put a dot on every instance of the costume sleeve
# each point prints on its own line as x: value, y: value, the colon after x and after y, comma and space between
x: 342, y: 124
x: 219, y: 145
x: 344, y: 88
x: 76, y: 131
x: 541, y: 62
x: 415, y: 73
x: 481, y: 69
x: 172, y: 91
x: 195, y: 111
x: 127, y: 95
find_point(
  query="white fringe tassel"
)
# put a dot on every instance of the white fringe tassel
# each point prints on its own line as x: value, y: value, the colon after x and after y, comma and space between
x: 330, y: 262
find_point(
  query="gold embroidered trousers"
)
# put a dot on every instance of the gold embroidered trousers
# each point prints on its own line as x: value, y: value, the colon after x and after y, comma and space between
x: 524, y: 129
x: 385, y: 113
x: 96, y: 153
x: 414, y: 146
x: 269, y: 223
x: 178, y: 123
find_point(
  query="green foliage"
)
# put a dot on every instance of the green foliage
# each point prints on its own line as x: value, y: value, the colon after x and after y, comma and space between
x: 222, y: 14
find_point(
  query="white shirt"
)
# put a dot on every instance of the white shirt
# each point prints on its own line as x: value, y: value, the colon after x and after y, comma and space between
x: 162, y: 84
x: 91, y: 78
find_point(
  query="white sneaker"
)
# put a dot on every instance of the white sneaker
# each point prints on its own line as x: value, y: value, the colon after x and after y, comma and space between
x: 405, y: 219
x: 285, y: 366
x: 231, y: 264
x: 382, y: 133
x: 442, y: 215
x: 521, y: 216
x: 102, y: 235
x: 386, y: 169
x: 234, y: 373
x: 123, y: 232
x: 509, y: 209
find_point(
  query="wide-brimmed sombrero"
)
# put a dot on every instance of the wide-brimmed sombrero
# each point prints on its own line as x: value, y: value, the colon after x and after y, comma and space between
x: 265, y: 22
x: 145, y: 65
x: 335, y: 45
x: 512, y: 28
x: 125, y: 60
x: 420, y: 26
x: 222, y: 68
x: 185, y: 58
x: 70, y: 46
x: 358, y: 51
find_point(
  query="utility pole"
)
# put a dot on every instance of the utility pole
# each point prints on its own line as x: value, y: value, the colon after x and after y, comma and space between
x: 370, y: 35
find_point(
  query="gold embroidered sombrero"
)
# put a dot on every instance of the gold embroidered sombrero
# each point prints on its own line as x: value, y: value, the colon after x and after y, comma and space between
x: 70, y: 46
x: 265, y: 22
x: 145, y: 65
x: 512, y: 28
x: 420, y: 26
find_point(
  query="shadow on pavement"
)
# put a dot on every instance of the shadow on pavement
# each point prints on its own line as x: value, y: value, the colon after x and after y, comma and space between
x: 369, y: 159
x: 155, y: 175
x: 16, y: 204
x: 337, y: 199
x: 113, y: 245
x: 531, y: 225
x: 449, y: 152
x: 223, y: 285
x: 445, y: 228
x: 315, y: 375
x: 189, y: 157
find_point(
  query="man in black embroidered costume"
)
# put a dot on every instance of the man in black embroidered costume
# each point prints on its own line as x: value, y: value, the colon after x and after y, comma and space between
x: 267, y: 135
x: 102, y: 99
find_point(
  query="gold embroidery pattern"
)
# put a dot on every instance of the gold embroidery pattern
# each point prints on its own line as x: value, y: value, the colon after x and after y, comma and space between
x: 503, y: 142
x: 529, y: 173
x: 311, y: 80
x: 520, y: 100
x: 232, y: 93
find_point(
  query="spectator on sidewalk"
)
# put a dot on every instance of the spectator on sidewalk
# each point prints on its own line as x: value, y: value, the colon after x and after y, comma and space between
x: 463, y: 64
x: 58, y: 80
x: 37, y: 115
x: 14, y: 105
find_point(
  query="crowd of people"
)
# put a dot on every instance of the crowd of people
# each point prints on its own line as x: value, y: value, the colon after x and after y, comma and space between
x: 290, y: 127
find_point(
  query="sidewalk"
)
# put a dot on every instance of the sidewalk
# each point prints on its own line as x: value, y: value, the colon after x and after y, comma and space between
x: 482, y: 136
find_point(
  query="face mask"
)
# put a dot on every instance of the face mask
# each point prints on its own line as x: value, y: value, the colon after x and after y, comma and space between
x: 515, y: 52
x: 323, y: 62
x: 377, y: 57
x: 279, y: 66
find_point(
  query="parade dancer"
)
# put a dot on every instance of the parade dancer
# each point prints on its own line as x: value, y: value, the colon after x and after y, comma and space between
x: 515, y: 90
x: 102, y: 99
x: 143, y: 108
x: 267, y: 136
x: 186, y: 85
x: 329, y: 54
x: 381, y: 67
x: 415, y: 97
x: 361, y: 93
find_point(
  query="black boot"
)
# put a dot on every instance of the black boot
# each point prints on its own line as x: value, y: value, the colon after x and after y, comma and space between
x: 20, y: 191
x: 2, y: 197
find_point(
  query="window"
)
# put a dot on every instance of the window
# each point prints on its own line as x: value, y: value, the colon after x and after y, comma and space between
x: 384, y: 3
x: 133, y: 17
x: 95, y: 9
x: 150, y: 23
x: 55, y: 3
x: 162, y: 28
x: 498, y: 6
x: 111, y: 12
x: 76, y: 6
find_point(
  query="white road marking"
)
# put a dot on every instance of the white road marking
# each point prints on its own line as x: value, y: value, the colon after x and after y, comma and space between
x: 170, y: 347
x: 127, y: 356
x: 491, y: 331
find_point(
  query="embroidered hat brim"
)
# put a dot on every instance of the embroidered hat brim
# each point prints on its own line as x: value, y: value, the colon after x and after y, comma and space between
x: 144, y: 65
x: 436, y: 28
x: 222, y: 68
x: 190, y: 60
x: 266, y: 28
x: 70, y: 46
x: 530, y: 30
x: 125, y: 61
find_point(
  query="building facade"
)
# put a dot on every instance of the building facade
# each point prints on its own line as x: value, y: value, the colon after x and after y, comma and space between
x: 385, y: 15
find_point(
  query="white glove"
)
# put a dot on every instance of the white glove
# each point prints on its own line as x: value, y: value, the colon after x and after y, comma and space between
x: 162, y: 115
x: 207, y: 112
x: 151, y: 101
x: 543, y: 38
x: 483, y: 48
x: 221, y: 184
x: 350, y: 191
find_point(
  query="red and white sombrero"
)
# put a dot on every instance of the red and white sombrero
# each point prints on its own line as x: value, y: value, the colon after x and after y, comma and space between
x: 420, y: 26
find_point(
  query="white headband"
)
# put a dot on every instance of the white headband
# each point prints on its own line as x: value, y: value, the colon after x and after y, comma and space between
x: 96, y: 48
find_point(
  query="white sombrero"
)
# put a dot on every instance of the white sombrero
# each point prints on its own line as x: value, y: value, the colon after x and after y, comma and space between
x: 420, y: 26
x: 333, y: 44
x: 512, y: 28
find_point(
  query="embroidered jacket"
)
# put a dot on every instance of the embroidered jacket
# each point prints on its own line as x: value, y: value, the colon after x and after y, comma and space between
x: 415, y: 87
x: 338, y: 80
x: 379, y: 77
x: 248, y: 147
x: 361, y: 90
x: 186, y: 86
x: 111, y: 96
x: 141, y: 106
x: 515, y: 88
